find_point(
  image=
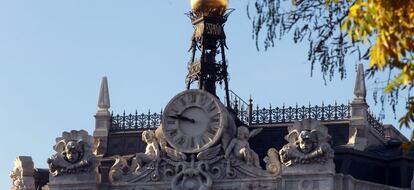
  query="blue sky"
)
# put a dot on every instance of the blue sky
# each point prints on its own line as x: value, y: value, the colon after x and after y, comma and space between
x: 53, y: 54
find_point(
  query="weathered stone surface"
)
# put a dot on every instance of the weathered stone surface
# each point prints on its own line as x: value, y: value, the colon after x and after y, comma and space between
x: 272, y: 161
x: 240, y: 149
x: 188, y: 171
x: 73, y: 166
x: 308, y: 150
x: 22, y: 174
x: 102, y: 120
x: 282, y: 182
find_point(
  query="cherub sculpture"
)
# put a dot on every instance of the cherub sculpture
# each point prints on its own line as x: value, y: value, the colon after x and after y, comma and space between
x: 152, y: 150
x: 74, y: 154
x: 240, y: 146
x: 165, y: 150
x: 308, y: 143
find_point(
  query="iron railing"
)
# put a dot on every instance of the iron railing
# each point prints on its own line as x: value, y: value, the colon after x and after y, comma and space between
x: 290, y: 114
x: 376, y: 124
x: 133, y: 122
x: 246, y: 114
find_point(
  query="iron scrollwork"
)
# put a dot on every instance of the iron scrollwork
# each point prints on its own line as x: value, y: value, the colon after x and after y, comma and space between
x: 248, y: 115
x: 133, y: 122
x: 290, y: 114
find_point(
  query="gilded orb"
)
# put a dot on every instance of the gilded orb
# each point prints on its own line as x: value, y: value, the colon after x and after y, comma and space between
x: 206, y: 7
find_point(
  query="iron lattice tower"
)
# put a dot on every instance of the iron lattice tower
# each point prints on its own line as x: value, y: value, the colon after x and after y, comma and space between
x: 210, y: 40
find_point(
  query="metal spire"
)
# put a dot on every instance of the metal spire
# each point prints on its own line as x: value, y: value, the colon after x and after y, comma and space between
x: 104, y: 103
x: 360, y: 91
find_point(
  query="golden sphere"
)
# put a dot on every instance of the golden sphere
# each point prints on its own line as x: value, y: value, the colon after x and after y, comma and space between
x: 206, y: 7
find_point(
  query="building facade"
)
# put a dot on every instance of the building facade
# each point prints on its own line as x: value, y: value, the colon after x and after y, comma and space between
x: 200, y: 142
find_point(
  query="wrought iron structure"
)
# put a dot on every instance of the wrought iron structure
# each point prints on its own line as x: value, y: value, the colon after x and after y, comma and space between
x: 247, y: 114
x: 376, y: 124
x: 261, y: 116
x: 209, y: 38
x: 134, y: 122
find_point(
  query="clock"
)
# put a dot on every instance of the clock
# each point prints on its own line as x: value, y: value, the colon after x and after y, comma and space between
x: 193, y: 120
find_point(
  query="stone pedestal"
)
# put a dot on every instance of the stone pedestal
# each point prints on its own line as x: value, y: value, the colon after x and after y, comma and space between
x: 358, y: 126
x: 82, y: 181
x: 100, y: 135
x: 305, y: 169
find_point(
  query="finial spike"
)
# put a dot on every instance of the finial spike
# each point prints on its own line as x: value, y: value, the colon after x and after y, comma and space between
x: 104, y: 103
x: 360, y: 91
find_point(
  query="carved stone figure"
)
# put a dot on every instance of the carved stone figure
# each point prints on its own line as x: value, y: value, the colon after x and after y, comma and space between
x: 165, y: 150
x: 272, y: 161
x: 22, y: 174
x: 119, y: 169
x: 240, y: 148
x: 74, y: 154
x: 188, y: 171
x: 192, y: 177
x: 152, y: 150
x: 308, y: 144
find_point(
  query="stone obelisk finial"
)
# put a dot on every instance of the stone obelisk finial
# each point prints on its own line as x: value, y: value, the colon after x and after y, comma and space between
x: 358, y: 126
x: 360, y: 90
x: 102, y: 119
x: 104, y: 103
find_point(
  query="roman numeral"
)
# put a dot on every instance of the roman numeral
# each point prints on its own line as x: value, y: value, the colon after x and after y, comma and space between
x: 193, y: 98
x: 191, y: 144
x: 212, y: 130
x: 182, y: 101
x: 173, y: 109
x: 202, y: 100
x: 210, y: 107
x: 210, y: 136
x: 215, y: 117
x: 181, y: 140
x: 172, y: 132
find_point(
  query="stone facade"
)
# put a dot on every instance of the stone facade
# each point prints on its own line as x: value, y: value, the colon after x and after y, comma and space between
x: 226, y: 161
x: 73, y: 166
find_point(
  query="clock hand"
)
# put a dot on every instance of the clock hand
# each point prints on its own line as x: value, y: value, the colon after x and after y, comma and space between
x: 181, y: 117
x: 184, y: 118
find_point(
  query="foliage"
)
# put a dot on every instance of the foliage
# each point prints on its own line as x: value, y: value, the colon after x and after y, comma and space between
x: 315, y: 21
x: 391, y: 24
x: 381, y: 31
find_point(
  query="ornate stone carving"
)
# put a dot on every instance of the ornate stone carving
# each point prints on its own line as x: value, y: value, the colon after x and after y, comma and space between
x: 22, y: 174
x: 192, y: 176
x: 240, y: 148
x: 189, y: 171
x: 308, y: 144
x: 73, y: 154
x: 272, y: 161
x: 152, y: 151
x: 119, y: 169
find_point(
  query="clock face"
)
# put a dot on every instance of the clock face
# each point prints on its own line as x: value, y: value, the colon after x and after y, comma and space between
x: 193, y: 121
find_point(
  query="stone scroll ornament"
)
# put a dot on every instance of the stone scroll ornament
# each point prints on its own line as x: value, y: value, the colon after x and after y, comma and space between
x: 73, y: 154
x: 272, y: 161
x: 308, y: 144
x: 22, y: 174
